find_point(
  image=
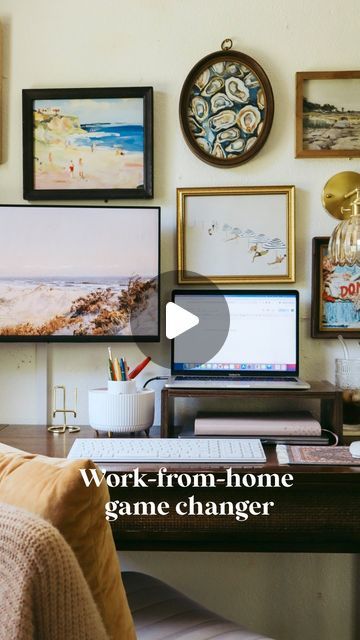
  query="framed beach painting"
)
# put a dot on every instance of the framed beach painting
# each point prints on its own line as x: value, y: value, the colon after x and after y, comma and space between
x: 328, y: 114
x: 79, y: 273
x: 335, y: 295
x: 234, y: 235
x: 88, y: 143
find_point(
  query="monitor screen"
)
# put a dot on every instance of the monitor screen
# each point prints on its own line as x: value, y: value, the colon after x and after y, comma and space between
x: 79, y: 273
x: 262, y: 337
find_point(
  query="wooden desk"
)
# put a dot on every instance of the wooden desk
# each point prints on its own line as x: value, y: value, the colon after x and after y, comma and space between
x: 321, y: 512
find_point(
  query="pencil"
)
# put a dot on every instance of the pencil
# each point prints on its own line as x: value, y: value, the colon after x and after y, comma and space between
x: 117, y: 369
x: 111, y: 370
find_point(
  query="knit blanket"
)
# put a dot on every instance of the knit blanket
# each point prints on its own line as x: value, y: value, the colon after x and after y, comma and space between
x: 43, y: 593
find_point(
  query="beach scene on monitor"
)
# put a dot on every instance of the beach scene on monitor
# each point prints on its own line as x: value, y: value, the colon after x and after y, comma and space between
x: 89, y: 143
x: 54, y: 283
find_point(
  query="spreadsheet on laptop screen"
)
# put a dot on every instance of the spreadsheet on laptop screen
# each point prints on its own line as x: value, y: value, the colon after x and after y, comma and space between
x: 262, y: 335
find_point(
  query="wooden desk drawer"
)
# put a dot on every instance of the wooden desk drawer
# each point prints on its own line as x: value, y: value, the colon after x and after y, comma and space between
x: 305, y: 517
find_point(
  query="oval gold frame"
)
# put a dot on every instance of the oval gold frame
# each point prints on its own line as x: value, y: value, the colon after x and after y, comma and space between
x: 204, y: 64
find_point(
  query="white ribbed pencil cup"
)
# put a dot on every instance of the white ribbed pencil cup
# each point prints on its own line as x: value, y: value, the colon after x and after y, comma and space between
x: 122, y: 386
x: 121, y: 412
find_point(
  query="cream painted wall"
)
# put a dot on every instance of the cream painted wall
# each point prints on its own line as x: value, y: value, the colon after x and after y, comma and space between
x: 75, y: 43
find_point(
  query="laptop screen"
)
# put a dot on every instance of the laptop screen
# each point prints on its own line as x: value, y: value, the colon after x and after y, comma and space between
x: 261, y: 337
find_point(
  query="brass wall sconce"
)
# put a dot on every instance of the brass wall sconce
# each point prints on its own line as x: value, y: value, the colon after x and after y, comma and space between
x: 341, y: 198
x: 62, y: 428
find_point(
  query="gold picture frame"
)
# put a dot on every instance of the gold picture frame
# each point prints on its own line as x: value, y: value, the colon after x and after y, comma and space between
x: 327, y: 114
x: 236, y: 235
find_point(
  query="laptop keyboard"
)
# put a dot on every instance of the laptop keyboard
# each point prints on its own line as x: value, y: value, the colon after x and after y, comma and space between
x: 239, y: 378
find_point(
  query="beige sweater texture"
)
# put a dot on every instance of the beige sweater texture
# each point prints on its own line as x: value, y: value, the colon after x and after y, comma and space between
x: 43, y: 593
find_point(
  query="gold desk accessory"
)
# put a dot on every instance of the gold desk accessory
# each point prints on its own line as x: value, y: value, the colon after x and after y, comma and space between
x: 62, y: 428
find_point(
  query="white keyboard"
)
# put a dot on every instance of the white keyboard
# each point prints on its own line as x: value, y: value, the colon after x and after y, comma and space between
x: 168, y: 450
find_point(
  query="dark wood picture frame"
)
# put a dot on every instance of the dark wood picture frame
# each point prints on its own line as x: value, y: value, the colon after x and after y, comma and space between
x: 347, y: 122
x: 204, y: 66
x: 131, y: 152
x: 326, y: 293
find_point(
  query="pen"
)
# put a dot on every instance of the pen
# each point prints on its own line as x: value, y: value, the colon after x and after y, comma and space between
x: 122, y: 369
x: 126, y: 369
x: 139, y: 368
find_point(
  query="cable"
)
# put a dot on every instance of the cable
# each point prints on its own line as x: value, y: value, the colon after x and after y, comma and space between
x: 155, y: 378
x: 336, y: 437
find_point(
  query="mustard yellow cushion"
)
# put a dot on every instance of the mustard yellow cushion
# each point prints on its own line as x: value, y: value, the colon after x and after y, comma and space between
x: 54, y: 489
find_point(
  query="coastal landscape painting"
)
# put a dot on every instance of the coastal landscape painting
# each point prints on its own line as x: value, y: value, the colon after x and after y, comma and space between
x: 87, y: 143
x: 250, y: 230
x: 328, y: 114
x: 79, y: 273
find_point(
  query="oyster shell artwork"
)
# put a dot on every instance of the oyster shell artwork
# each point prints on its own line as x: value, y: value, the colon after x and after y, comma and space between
x: 260, y: 99
x: 250, y: 143
x: 220, y: 101
x: 227, y: 109
x: 248, y: 118
x: 218, y: 151
x: 195, y: 128
x: 236, y: 90
x: 222, y: 120
x: 219, y: 67
x: 236, y: 146
x: 202, y: 80
x: 200, y: 108
x: 251, y: 80
x: 213, y: 86
x: 228, y: 134
x: 204, y: 144
x: 233, y: 69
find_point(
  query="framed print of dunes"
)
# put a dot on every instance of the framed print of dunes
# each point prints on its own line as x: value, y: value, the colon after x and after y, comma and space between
x: 79, y: 273
x: 88, y: 143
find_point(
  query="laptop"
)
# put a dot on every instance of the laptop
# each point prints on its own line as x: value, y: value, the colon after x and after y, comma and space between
x: 244, y: 340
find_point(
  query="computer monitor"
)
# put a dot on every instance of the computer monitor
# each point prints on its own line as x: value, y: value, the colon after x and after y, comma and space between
x: 79, y: 273
x: 262, y: 337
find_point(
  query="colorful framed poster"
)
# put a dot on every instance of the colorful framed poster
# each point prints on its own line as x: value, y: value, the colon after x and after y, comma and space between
x: 88, y: 143
x: 250, y: 231
x: 328, y: 114
x: 79, y: 273
x: 335, y: 307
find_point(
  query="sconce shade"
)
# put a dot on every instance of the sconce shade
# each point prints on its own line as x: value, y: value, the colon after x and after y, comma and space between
x: 344, y: 244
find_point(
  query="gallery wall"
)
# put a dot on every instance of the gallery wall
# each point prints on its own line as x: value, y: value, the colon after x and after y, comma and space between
x: 156, y: 42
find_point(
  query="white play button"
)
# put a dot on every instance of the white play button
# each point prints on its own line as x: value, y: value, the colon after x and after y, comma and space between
x: 178, y: 320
